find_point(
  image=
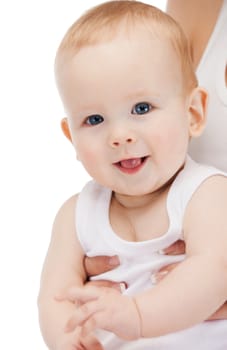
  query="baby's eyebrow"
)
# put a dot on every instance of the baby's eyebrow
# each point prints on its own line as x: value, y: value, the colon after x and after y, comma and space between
x: 142, y: 93
x: 85, y: 110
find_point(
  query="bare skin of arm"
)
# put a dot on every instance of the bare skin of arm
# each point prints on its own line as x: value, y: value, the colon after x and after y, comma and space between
x: 205, y: 256
x: 198, y: 19
x: 179, y: 248
x: 100, y: 264
x: 62, y: 268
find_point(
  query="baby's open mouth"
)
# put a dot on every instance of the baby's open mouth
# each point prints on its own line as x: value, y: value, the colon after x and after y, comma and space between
x: 131, y: 165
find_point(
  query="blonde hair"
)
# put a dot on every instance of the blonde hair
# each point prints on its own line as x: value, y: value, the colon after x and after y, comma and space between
x: 102, y: 22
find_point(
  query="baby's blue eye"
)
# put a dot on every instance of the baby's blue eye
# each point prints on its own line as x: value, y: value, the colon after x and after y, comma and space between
x: 141, y: 108
x: 94, y: 119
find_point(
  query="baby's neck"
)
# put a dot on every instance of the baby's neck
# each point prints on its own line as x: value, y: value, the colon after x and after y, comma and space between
x: 141, y: 218
x: 136, y: 202
x: 138, y: 218
x: 140, y: 201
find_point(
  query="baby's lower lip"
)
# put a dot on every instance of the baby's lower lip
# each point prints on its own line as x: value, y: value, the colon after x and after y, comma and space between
x: 132, y: 165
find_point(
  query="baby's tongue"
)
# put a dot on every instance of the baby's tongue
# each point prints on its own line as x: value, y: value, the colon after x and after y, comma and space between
x: 131, y: 163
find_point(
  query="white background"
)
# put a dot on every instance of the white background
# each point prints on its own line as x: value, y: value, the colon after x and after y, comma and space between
x: 38, y: 167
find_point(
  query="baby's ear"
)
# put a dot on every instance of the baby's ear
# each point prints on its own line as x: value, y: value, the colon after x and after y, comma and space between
x: 197, y: 111
x: 65, y: 128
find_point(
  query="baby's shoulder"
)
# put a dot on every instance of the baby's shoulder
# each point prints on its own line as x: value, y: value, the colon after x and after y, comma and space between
x: 66, y: 210
x: 205, y: 223
x: 211, y: 187
x: 209, y: 201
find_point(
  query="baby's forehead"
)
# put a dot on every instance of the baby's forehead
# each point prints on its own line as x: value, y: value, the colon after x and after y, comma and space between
x: 124, y: 57
x: 130, y: 31
x: 121, y: 40
x: 121, y: 62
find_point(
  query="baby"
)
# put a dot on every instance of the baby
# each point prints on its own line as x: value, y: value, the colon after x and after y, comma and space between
x: 132, y: 102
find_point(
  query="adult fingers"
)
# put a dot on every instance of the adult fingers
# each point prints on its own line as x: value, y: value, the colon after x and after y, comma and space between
x: 176, y: 248
x: 109, y: 284
x: 220, y: 314
x: 100, y: 264
x: 162, y: 273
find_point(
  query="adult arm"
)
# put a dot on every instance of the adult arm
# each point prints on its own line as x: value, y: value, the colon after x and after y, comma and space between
x: 197, y: 18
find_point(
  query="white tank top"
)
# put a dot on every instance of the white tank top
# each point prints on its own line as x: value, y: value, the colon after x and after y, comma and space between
x: 211, y: 146
x: 139, y: 260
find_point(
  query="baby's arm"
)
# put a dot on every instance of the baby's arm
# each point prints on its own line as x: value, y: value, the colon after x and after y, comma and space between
x: 198, y: 286
x: 189, y: 294
x: 63, y: 267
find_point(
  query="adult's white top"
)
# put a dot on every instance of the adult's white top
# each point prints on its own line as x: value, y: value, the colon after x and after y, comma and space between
x: 211, y: 147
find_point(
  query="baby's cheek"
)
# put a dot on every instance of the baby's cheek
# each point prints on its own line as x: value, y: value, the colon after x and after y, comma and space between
x: 86, y: 156
x: 175, y: 139
x: 91, y: 159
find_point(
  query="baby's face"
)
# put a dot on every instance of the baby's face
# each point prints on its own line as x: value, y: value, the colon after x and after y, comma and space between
x: 127, y: 112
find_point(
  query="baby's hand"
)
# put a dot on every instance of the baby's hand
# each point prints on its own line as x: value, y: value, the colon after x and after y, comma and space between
x: 104, y: 308
x: 75, y: 341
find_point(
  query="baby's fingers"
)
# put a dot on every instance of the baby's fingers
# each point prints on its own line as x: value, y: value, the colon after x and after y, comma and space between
x: 82, y: 341
x: 91, y: 343
x: 82, y: 294
x: 82, y: 314
x: 94, y: 322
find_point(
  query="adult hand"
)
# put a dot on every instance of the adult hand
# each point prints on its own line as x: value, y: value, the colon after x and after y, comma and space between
x: 100, y: 264
x: 176, y: 248
x: 220, y: 314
